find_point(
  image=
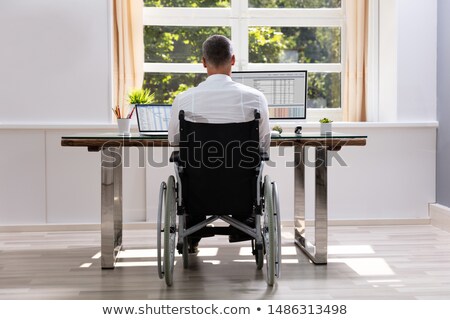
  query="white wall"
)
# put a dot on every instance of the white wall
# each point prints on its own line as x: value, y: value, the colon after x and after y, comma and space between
x: 417, y: 60
x: 22, y: 177
x: 393, y: 177
x: 44, y: 183
x: 408, y: 56
x: 443, y: 152
x: 55, y: 61
x: 387, y: 108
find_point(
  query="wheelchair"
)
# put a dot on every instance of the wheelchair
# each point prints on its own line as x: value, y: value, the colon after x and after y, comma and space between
x: 218, y: 172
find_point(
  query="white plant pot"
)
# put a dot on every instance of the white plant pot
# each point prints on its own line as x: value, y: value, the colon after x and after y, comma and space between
x: 326, y: 128
x: 124, y: 126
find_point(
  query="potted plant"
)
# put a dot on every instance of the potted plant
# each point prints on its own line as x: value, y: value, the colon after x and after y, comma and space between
x: 325, y: 126
x: 139, y: 96
x: 276, y: 131
x: 278, y: 128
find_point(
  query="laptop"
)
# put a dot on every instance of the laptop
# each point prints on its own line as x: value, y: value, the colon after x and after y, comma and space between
x: 153, y: 119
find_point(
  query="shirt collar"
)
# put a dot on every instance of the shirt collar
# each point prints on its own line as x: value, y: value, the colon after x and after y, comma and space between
x: 218, y: 77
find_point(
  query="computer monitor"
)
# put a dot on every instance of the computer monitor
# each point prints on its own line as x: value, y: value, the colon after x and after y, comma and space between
x: 285, y: 91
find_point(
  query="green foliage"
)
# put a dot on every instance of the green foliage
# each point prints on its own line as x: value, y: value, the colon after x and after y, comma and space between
x: 266, y: 44
x: 175, y: 45
x: 178, y: 44
x: 294, y: 3
x: 251, y: 3
x: 140, y: 96
x: 278, y: 128
x: 325, y: 120
x: 187, y: 3
x: 168, y: 86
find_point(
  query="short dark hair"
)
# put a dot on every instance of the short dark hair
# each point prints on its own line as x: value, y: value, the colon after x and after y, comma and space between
x: 217, y: 50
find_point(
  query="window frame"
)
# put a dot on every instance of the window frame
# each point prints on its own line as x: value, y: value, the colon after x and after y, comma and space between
x: 239, y: 17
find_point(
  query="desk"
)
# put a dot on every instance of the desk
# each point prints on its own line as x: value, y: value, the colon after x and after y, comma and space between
x: 111, y: 145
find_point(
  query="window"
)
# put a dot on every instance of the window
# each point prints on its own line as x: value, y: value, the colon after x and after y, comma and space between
x: 267, y: 35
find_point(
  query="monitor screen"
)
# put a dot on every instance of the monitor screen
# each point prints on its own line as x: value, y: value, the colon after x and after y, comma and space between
x: 153, y: 118
x: 285, y: 91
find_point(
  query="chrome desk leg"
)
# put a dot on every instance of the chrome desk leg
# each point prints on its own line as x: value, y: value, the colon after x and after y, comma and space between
x: 111, y: 220
x: 321, y: 214
x: 317, y: 251
x: 299, y: 198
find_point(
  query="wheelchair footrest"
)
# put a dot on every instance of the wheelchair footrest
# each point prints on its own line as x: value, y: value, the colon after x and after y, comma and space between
x: 234, y: 234
x: 213, y: 231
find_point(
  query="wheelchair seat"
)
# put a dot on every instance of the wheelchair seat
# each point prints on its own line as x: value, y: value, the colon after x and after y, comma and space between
x: 219, y: 169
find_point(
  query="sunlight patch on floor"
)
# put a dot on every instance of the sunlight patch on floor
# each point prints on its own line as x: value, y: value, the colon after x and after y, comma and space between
x: 215, y: 262
x: 366, y: 266
x: 285, y: 251
x: 289, y: 261
x: 138, y: 253
x: 86, y: 265
x: 244, y: 261
x: 207, y: 252
x: 136, y: 264
x: 385, y: 281
x: 97, y: 255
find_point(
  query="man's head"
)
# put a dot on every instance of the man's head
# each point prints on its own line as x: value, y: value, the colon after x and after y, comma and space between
x: 218, y: 57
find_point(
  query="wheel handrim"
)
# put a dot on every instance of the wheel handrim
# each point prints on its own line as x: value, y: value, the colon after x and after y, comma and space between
x: 169, y: 231
x: 269, y: 232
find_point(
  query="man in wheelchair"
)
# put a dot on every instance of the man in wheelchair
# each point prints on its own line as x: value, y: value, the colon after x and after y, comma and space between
x: 220, y: 100
x: 221, y: 129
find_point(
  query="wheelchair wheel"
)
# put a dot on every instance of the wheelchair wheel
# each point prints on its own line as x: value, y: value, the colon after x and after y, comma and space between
x: 277, y: 214
x: 162, y: 197
x: 259, y: 256
x: 185, y: 244
x: 170, y: 229
x: 269, y: 232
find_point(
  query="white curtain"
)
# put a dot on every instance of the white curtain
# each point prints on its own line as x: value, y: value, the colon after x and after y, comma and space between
x: 355, y: 86
x: 128, y: 49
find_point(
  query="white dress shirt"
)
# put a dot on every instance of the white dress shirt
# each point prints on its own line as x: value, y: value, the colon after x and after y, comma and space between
x: 219, y: 99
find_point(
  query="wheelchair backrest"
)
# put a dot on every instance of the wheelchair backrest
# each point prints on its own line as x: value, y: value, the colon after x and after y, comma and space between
x: 220, y: 165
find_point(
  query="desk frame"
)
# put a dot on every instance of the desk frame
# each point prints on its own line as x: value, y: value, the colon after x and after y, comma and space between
x: 317, y: 251
x: 111, y: 206
x: 111, y: 188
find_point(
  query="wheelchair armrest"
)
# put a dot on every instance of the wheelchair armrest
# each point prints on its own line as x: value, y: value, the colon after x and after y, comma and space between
x: 264, y: 156
x: 175, y: 157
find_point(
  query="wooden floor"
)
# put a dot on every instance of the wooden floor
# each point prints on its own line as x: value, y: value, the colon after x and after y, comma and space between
x: 393, y: 262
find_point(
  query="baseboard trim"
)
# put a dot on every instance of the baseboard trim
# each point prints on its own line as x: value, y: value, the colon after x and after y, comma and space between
x: 381, y: 222
x: 152, y: 225
x: 440, y: 216
x: 73, y: 227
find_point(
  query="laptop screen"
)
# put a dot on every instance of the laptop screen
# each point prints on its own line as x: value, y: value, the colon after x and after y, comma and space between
x: 153, y: 118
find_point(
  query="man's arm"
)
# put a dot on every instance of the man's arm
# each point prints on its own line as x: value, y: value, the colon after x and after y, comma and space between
x: 264, y: 126
x: 174, y: 124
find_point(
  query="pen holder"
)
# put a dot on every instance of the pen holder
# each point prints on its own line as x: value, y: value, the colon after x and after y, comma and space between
x: 124, y: 126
